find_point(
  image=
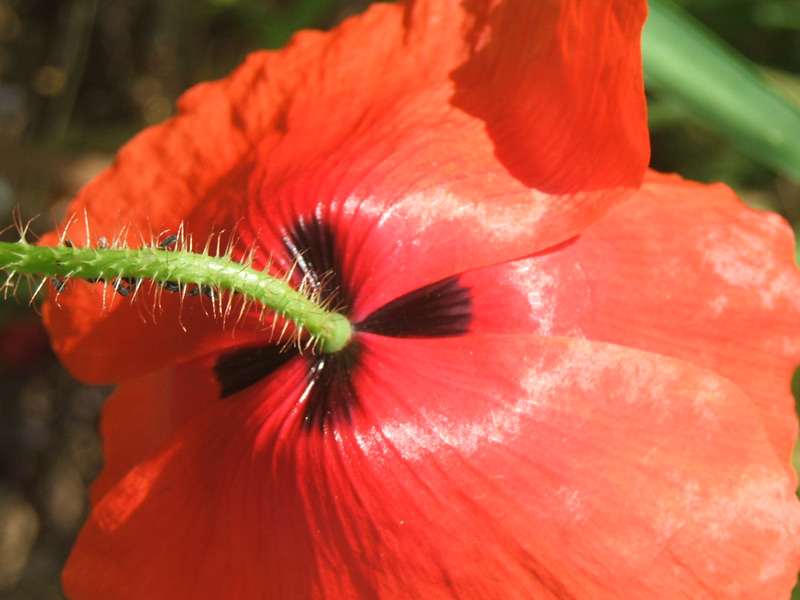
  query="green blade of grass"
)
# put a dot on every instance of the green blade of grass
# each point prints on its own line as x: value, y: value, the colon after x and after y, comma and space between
x: 721, y: 88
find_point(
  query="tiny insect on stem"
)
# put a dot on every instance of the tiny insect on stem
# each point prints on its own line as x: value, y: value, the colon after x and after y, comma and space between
x: 168, y: 242
x: 123, y: 268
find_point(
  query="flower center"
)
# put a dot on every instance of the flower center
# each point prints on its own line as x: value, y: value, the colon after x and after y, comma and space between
x: 440, y: 309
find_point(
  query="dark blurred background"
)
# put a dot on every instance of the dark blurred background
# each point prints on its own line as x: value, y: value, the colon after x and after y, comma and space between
x: 79, y: 77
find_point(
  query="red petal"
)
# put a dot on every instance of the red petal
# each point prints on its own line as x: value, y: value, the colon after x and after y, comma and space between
x: 484, y: 467
x: 553, y: 101
x: 684, y: 270
x: 409, y: 119
x: 143, y: 414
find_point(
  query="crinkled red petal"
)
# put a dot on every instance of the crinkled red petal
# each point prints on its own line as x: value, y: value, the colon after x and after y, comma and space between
x: 405, y: 125
x: 481, y: 467
x: 684, y: 270
x: 142, y: 415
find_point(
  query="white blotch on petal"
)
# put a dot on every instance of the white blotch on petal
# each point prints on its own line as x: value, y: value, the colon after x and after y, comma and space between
x: 718, y: 304
x: 709, y: 396
x: 744, y: 259
x: 438, y: 207
x: 760, y: 494
x: 539, y: 287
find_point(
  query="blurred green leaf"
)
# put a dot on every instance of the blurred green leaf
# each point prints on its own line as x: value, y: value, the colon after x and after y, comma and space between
x: 777, y: 14
x: 684, y: 60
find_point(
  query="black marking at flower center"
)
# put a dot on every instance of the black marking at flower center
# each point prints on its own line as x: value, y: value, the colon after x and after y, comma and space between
x: 312, y: 246
x: 441, y: 309
x: 238, y: 369
x: 329, y: 396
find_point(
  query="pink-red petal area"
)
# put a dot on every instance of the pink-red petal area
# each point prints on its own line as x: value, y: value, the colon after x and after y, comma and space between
x: 684, y: 270
x: 476, y: 467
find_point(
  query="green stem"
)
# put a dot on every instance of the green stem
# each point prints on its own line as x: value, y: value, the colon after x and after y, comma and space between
x: 333, y: 330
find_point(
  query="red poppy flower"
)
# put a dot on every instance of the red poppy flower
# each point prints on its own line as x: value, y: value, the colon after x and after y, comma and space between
x: 558, y: 387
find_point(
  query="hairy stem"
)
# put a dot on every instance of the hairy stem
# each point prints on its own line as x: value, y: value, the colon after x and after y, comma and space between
x: 332, y: 329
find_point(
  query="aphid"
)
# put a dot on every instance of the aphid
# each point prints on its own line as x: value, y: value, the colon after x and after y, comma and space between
x: 171, y: 286
x: 168, y: 242
x: 68, y: 243
x: 59, y: 284
x: 102, y: 242
x: 122, y: 288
